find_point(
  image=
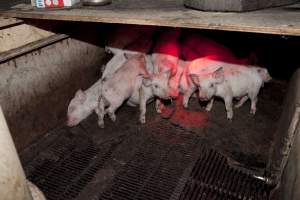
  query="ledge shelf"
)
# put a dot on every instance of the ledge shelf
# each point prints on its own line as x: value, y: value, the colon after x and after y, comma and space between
x: 280, y: 20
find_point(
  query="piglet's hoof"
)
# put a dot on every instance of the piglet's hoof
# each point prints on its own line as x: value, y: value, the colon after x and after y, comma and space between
x: 238, y: 105
x: 112, y: 116
x: 230, y: 118
x: 185, y: 105
x: 208, y: 108
x: 252, y: 111
x: 158, y: 110
x: 143, y: 120
x: 101, y: 124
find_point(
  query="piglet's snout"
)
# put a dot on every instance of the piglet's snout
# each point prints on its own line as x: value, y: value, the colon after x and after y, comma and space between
x: 204, y: 99
x: 72, y: 122
x: 203, y: 96
x: 267, y: 78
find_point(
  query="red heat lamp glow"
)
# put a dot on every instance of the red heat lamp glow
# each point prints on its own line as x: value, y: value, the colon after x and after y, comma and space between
x: 168, y: 43
x: 197, y: 46
x: 185, y: 118
x: 170, y: 48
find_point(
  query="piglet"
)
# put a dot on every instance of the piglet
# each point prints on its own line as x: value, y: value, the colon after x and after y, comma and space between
x: 132, y: 83
x: 119, y: 87
x: 150, y: 86
x: 203, y: 66
x: 228, y: 82
x: 155, y: 85
x: 263, y: 72
x: 83, y: 104
x: 187, y: 86
x: 165, y: 57
x: 265, y: 76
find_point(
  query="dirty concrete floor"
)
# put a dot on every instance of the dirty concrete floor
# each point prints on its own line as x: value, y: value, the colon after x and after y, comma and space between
x: 174, y: 138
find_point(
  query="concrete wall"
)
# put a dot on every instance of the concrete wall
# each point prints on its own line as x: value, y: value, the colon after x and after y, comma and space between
x: 290, y: 183
x: 35, y: 88
x: 285, y: 159
x: 17, y: 36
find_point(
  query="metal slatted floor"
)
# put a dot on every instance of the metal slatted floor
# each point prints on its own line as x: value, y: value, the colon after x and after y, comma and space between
x: 159, y: 160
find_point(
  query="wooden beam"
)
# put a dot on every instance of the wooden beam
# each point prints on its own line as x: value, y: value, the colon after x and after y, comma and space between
x: 172, y: 13
x: 30, y: 47
x: 8, y: 22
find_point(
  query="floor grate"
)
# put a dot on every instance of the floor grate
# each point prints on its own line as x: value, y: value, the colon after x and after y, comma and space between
x: 160, y: 162
x: 69, y: 166
x: 152, y: 174
x: 213, y: 178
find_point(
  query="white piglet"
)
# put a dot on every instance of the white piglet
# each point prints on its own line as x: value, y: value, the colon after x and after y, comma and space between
x: 265, y: 76
x: 132, y: 83
x: 119, y: 87
x: 83, y: 104
x: 155, y: 85
x: 231, y: 81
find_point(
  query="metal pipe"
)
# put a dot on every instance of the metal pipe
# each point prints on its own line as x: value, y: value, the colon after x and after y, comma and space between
x: 13, y: 185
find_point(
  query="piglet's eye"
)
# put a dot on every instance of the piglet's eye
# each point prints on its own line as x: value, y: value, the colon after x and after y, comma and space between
x: 211, y: 85
x: 156, y: 86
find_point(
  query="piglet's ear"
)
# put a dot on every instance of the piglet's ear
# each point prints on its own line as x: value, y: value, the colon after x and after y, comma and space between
x: 218, y: 75
x: 195, y: 79
x: 81, y: 96
x: 147, y: 81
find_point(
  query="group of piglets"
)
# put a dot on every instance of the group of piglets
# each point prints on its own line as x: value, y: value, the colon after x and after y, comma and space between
x: 141, y: 71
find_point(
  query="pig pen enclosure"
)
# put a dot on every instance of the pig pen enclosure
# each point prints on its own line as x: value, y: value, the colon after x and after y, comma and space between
x: 177, y: 154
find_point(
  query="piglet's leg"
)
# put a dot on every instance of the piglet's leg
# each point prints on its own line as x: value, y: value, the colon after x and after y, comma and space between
x: 143, y: 102
x: 100, y: 112
x: 253, y: 98
x: 228, y: 105
x: 253, y: 105
x: 241, y: 101
x: 159, y: 106
x: 186, y: 97
x: 210, y: 105
x: 111, y: 112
